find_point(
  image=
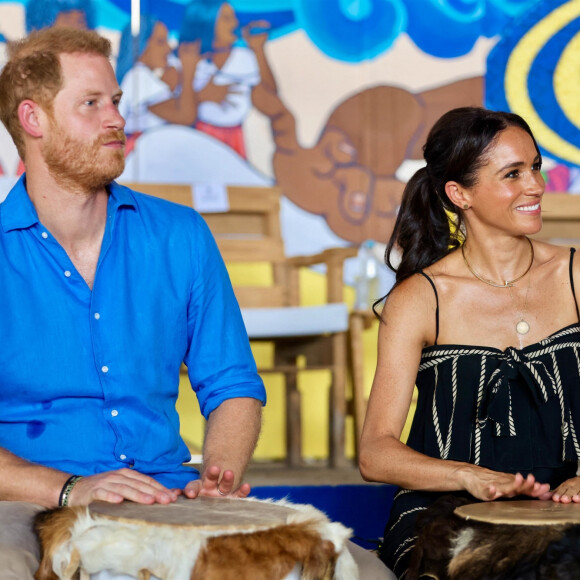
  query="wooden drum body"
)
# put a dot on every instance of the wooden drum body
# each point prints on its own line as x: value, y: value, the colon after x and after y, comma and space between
x: 205, y: 538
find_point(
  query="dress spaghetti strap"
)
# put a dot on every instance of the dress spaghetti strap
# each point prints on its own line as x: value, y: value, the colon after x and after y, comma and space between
x: 572, y: 250
x: 437, y: 304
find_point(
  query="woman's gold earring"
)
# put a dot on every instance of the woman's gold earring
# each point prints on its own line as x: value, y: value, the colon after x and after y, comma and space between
x: 465, y: 206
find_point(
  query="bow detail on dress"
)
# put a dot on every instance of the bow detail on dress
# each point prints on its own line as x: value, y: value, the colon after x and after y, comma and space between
x: 497, y: 402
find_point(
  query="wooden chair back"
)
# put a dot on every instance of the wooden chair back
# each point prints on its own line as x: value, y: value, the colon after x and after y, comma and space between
x: 247, y: 234
x: 560, y: 218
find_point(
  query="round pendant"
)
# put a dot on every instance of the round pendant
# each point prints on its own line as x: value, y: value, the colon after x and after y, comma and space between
x: 522, y: 327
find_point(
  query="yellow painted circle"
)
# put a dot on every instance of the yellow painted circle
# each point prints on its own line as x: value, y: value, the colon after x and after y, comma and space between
x: 567, y: 81
x: 517, y: 73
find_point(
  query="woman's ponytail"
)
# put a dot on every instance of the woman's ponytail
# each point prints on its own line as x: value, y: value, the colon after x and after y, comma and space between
x: 423, y: 230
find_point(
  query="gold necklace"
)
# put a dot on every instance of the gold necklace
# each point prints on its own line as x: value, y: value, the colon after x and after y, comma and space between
x: 507, y: 283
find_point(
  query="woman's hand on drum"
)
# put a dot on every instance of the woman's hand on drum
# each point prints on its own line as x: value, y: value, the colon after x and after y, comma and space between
x: 488, y: 485
x: 116, y: 486
x: 211, y: 485
x: 567, y: 492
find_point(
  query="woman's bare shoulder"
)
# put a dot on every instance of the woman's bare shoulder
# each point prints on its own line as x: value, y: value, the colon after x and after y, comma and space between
x: 409, y: 312
x: 546, y: 251
x: 551, y: 257
x: 416, y: 286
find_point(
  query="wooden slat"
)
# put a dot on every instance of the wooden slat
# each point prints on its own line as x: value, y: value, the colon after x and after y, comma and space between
x: 567, y: 229
x: 249, y: 199
x: 176, y: 193
x: 230, y: 224
x: 241, y: 250
x: 261, y: 296
x: 560, y: 206
x: 244, y: 199
x: 560, y: 218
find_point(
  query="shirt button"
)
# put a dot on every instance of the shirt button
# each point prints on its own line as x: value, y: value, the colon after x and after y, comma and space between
x: 67, y: 273
x: 97, y: 316
x: 105, y: 369
x: 44, y: 235
x: 122, y: 457
x: 114, y: 413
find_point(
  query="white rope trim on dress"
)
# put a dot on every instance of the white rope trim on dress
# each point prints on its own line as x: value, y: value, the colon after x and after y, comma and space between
x: 573, y: 433
x: 464, y: 350
x: 552, y: 348
x: 417, y: 509
x: 564, y: 332
x: 536, y: 376
x: 511, y: 416
x: 454, y: 394
x: 443, y: 355
x: 572, y: 427
x: 403, y: 553
x: 577, y: 360
x: 480, y: 390
x: 436, y: 425
x: 446, y: 355
x: 403, y: 491
x: 404, y: 543
x: 560, y: 393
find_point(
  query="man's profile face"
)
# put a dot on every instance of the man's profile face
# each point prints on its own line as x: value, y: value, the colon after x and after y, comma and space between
x: 84, y: 143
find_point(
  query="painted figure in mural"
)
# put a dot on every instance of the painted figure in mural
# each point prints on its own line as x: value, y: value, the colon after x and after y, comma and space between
x: 227, y: 73
x: 110, y: 417
x: 477, y: 302
x: 349, y: 176
x: 78, y: 14
x: 150, y: 98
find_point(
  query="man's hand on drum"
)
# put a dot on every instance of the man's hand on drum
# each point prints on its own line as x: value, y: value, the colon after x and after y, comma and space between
x: 211, y: 485
x: 116, y: 486
x: 488, y: 485
x: 568, y: 492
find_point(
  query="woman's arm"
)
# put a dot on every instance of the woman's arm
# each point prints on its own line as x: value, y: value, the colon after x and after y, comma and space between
x: 182, y: 110
x: 409, y: 325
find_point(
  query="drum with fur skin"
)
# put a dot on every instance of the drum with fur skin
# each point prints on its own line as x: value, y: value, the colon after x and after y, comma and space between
x: 205, y: 538
x: 501, y: 540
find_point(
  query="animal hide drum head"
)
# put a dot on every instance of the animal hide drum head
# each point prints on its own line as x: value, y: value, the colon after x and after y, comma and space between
x: 525, y: 512
x: 203, y: 513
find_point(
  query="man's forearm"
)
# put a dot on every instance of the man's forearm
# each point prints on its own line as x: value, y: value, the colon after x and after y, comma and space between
x: 21, y: 480
x: 231, y: 436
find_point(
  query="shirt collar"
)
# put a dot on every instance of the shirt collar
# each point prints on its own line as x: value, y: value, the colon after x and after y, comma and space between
x: 120, y: 196
x: 17, y: 212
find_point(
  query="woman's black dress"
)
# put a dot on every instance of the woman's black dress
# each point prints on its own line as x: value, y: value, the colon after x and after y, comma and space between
x: 516, y: 410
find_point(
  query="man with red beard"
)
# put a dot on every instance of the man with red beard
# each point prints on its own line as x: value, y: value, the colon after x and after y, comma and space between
x: 104, y: 293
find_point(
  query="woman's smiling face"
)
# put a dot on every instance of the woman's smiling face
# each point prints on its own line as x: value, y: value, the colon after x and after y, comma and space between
x: 508, y: 192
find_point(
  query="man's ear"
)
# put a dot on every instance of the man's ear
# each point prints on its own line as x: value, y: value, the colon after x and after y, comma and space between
x: 458, y: 195
x: 29, y: 115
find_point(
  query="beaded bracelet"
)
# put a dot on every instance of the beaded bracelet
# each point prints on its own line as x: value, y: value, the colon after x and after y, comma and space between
x: 67, y: 488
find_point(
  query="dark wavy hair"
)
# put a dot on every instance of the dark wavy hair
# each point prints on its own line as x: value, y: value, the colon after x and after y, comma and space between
x: 457, y: 147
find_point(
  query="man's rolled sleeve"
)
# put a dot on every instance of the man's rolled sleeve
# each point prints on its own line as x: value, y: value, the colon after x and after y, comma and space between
x: 219, y: 359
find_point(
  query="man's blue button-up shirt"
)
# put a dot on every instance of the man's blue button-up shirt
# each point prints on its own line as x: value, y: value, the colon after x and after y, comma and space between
x: 89, y: 379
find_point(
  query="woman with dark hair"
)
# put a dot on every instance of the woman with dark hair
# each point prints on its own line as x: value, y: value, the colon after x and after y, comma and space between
x: 485, y: 322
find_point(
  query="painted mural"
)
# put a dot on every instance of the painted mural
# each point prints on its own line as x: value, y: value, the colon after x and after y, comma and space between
x: 329, y: 99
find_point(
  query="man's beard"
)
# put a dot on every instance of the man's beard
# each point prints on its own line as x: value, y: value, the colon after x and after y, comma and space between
x: 79, y: 165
